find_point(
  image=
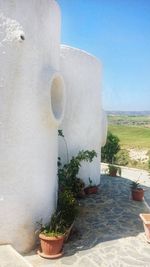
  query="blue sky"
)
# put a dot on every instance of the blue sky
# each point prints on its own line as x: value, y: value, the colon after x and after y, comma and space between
x: 118, y: 33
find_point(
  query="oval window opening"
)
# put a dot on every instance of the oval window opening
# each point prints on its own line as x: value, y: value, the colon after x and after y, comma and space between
x: 57, y: 97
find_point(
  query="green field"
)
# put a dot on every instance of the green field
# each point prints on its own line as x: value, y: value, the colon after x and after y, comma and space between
x: 129, y: 120
x: 132, y: 136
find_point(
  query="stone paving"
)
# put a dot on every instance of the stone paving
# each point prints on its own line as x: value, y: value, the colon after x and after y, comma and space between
x: 9, y: 257
x: 108, y: 231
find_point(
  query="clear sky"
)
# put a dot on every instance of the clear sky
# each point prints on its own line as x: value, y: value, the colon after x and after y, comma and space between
x: 118, y: 33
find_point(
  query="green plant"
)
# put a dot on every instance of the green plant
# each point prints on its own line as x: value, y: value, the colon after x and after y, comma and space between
x: 91, y: 188
x: 65, y: 214
x: 91, y: 183
x: 135, y: 185
x: 110, y: 149
x: 67, y: 173
x: 60, y: 133
x: 67, y: 206
x: 137, y: 191
x: 113, y: 170
x: 69, y: 188
x: 122, y: 157
x: 56, y: 226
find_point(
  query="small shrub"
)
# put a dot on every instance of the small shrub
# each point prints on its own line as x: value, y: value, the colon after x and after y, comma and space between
x: 113, y: 170
x: 110, y: 149
x: 67, y: 174
x: 135, y: 185
x: 67, y: 206
x: 122, y: 157
x: 134, y: 163
x: 56, y: 226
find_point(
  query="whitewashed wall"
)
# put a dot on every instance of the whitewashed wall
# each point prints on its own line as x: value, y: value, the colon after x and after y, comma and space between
x: 82, y: 124
x: 31, y: 107
x: 32, y: 101
x: 104, y: 128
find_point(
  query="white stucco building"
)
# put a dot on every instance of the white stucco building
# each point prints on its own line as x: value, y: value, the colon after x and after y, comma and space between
x: 41, y: 83
x: 82, y: 123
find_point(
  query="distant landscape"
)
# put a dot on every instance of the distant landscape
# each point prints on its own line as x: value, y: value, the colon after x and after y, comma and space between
x: 133, y: 130
x: 129, y: 113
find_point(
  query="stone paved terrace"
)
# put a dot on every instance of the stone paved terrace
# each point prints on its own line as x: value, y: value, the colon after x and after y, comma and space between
x: 108, y: 231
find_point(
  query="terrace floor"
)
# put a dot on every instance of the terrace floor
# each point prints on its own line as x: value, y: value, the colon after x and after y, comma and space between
x: 108, y: 231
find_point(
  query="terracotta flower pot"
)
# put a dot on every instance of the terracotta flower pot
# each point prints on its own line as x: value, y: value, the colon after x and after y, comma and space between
x: 113, y: 173
x: 51, y: 246
x: 91, y: 190
x: 146, y: 223
x: 138, y: 194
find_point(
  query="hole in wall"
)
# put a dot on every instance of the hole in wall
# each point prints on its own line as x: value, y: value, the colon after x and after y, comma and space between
x: 22, y: 37
x: 57, y: 97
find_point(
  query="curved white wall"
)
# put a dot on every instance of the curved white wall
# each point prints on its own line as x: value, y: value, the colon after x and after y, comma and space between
x: 104, y: 127
x: 39, y: 22
x: 82, y: 121
x: 32, y: 102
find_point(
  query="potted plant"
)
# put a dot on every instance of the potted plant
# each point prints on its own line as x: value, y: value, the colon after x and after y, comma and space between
x: 91, y: 188
x: 146, y: 223
x: 68, y: 173
x: 52, y: 237
x: 137, y: 191
x: 113, y: 170
x: 68, y: 206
